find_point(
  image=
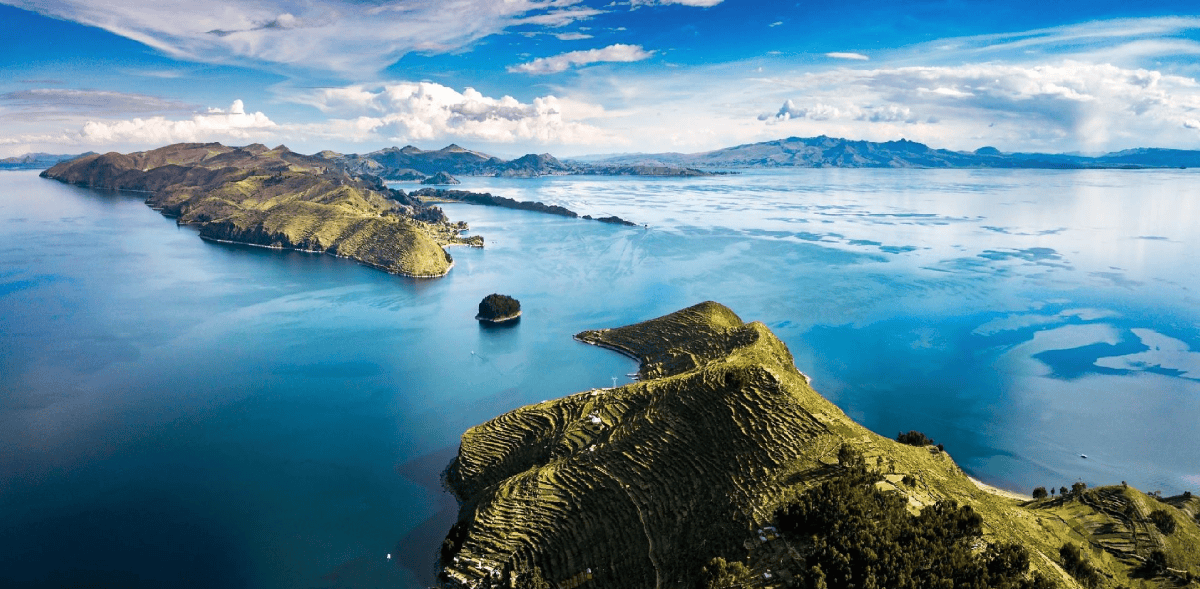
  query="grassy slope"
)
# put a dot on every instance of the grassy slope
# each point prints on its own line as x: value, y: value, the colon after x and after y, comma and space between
x: 686, y: 464
x: 274, y: 198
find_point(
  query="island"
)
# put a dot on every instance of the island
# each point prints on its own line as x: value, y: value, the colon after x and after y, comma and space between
x: 441, y: 195
x: 722, y: 467
x: 440, y: 178
x: 277, y: 198
x: 498, y: 308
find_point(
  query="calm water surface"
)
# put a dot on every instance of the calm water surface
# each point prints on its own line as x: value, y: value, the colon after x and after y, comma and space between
x: 180, y: 413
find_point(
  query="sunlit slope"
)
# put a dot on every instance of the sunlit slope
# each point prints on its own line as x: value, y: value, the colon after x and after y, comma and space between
x: 277, y: 198
x: 642, y: 485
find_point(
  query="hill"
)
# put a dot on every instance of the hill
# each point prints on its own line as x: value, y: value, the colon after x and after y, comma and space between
x: 277, y: 198
x: 694, y: 475
x: 411, y: 163
x: 822, y: 151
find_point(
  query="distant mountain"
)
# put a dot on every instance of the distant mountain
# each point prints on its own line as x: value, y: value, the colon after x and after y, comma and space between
x: 829, y: 152
x: 37, y: 161
x: 411, y: 163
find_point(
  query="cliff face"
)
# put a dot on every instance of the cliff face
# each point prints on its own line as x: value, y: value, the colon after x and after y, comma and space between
x: 276, y: 198
x: 643, y: 485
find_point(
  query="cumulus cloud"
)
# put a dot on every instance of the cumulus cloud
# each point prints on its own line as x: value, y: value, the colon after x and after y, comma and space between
x: 558, y: 63
x: 230, y: 124
x: 333, y: 35
x: 846, y: 55
x: 823, y: 112
x: 1192, y: 124
x: 1072, y: 104
x: 217, y: 124
x: 426, y: 111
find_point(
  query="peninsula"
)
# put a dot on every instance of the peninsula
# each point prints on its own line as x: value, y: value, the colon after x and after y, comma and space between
x: 722, y: 467
x: 436, y: 195
x: 280, y: 199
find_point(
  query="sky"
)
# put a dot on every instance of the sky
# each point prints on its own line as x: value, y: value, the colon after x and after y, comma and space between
x: 575, y: 77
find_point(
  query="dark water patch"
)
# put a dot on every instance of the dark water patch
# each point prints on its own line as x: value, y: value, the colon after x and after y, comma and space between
x: 898, y: 249
x: 133, y: 539
x: 1073, y: 363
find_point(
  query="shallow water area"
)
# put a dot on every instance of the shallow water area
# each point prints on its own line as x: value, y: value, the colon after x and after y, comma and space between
x: 183, y: 413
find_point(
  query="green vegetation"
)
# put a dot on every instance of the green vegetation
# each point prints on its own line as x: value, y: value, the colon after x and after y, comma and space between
x: 280, y: 199
x: 849, y: 533
x: 914, y: 438
x: 722, y: 467
x: 1076, y: 566
x: 498, y: 308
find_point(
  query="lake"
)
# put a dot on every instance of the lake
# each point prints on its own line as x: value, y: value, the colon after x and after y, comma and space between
x: 175, y: 412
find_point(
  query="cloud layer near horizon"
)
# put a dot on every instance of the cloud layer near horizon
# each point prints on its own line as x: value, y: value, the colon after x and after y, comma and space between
x: 1073, y: 103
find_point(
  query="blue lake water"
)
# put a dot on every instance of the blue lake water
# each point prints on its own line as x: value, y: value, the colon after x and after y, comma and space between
x: 180, y: 413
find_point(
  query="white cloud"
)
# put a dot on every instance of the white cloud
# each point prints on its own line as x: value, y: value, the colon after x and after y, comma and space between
x: 824, y: 112
x: 558, y: 63
x: 332, y: 35
x: 408, y: 112
x: 1063, y: 106
x: 232, y: 124
x: 775, y: 24
x: 845, y: 55
x: 572, y: 36
x: 1191, y: 124
x: 695, y: 3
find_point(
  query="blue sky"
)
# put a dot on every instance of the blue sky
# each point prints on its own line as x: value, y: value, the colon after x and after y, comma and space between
x: 573, y: 77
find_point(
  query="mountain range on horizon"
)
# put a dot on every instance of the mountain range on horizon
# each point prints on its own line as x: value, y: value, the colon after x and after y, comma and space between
x: 823, y: 151
x: 414, y: 164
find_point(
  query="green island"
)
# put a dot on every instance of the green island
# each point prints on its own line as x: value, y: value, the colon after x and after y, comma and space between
x: 498, y: 308
x: 280, y: 199
x: 722, y: 467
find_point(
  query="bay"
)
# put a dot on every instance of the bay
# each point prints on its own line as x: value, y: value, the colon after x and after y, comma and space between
x: 177, y: 412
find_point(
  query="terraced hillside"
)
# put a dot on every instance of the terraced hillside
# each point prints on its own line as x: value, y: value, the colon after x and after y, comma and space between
x: 645, y: 484
x: 278, y: 198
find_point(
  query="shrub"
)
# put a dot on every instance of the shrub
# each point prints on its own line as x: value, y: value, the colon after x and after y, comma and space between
x: 914, y: 438
x: 1163, y: 521
x: 909, y: 480
x: 850, y: 458
x: 1155, y: 565
x: 860, y: 536
x: 1076, y: 566
x: 1039, y: 493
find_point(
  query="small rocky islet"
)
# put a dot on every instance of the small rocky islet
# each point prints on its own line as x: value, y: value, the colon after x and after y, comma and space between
x: 498, y: 308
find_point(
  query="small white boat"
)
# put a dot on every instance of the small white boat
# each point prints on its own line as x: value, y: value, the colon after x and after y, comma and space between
x: 1083, y: 455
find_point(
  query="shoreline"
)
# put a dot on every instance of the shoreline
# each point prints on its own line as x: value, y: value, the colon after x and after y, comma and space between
x: 362, y: 262
x: 504, y: 319
x: 994, y: 490
x: 627, y: 353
